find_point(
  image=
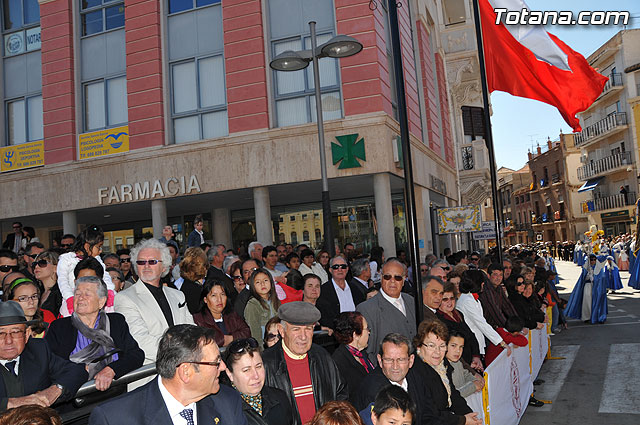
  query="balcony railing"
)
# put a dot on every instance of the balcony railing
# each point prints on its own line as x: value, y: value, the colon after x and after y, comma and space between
x: 615, y: 80
x: 609, y: 202
x: 603, y: 165
x: 600, y: 128
x: 556, y: 178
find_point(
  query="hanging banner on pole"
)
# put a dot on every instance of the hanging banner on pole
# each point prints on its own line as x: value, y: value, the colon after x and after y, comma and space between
x: 459, y: 219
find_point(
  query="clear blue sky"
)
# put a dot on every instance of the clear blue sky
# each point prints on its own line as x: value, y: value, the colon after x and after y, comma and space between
x: 518, y: 122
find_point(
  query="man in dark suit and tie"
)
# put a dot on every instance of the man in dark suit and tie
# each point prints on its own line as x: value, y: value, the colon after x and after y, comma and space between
x: 337, y: 295
x: 30, y: 372
x: 432, y: 297
x: 361, y: 275
x: 187, y: 390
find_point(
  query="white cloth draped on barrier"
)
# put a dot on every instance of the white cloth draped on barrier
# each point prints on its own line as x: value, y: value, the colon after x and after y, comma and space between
x: 509, y: 382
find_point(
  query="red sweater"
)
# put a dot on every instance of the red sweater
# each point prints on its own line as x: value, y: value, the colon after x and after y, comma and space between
x: 494, y: 351
x: 300, y: 376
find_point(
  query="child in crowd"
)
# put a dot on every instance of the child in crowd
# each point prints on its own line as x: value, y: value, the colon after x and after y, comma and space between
x: 511, y: 334
x: 464, y: 380
x: 391, y: 406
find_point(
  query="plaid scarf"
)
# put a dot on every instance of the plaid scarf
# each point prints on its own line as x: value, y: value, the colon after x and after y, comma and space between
x: 364, y: 361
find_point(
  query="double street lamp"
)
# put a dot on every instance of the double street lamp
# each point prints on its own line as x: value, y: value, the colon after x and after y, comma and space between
x: 340, y: 46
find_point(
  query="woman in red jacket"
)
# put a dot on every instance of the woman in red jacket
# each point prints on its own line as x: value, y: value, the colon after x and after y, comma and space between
x: 217, y: 314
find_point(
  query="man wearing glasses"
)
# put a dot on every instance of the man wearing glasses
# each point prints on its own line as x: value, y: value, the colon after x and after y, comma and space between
x: 338, y: 295
x: 187, y: 390
x: 30, y: 373
x: 8, y: 263
x: 390, y: 310
x: 396, y: 368
x: 67, y: 241
x: 14, y: 240
x: 148, y: 306
x: 30, y: 253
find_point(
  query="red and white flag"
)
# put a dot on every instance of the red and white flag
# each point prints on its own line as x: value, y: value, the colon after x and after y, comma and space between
x: 527, y: 61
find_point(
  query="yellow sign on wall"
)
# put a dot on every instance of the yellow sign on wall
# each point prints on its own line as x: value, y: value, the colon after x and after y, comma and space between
x: 103, y: 142
x: 26, y: 155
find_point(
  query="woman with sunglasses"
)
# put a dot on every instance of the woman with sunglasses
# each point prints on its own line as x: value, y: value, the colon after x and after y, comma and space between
x: 235, y: 271
x: 92, y: 337
x: 262, y: 405
x: 454, y: 320
x: 45, y: 270
x: 27, y: 294
x: 216, y: 313
x: 88, y: 245
x: 263, y: 304
x: 271, y: 333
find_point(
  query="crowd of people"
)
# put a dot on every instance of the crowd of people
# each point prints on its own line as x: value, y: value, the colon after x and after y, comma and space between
x: 279, y: 334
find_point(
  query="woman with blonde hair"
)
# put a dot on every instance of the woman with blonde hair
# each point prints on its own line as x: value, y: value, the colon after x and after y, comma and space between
x: 193, y: 269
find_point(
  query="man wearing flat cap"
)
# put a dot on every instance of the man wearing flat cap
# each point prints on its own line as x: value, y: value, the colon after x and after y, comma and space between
x: 30, y: 373
x: 303, y: 370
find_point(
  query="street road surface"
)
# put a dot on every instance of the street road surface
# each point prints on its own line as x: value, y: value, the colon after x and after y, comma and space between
x: 598, y: 381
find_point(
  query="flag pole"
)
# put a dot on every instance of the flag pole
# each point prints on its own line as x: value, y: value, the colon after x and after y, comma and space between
x: 497, y: 205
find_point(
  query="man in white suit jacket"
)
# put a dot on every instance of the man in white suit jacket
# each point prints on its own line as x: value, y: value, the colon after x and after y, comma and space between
x: 149, y: 307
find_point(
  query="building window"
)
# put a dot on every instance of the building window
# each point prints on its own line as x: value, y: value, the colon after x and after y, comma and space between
x: 181, y: 5
x: 24, y: 120
x: 199, y: 101
x: 454, y: 12
x: 101, y: 15
x: 20, y: 13
x: 196, y: 62
x: 292, y: 218
x: 294, y: 238
x: 305, y: 236
x: 105, y: 103
x: 295, y: 101
x: 318, y: 235
x: 473, y: 123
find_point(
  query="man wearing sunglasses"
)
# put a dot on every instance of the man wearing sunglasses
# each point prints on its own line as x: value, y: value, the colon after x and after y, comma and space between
x: 187, y: 390
x: 390, y: 310
x: 14, y: 240
x: 148, y: 306
x: 8, y: 263
x: 338, y: 295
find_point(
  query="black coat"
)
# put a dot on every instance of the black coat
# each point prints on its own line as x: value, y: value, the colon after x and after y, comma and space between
x: 351, y: 369
x: 471, y: 347
x: 329, y: 305
x: 437, y: 393
x: 426, y: 412
x: 145, y: 406
x: 526, y: 309
x: 40, y: 368
x: 192, y: 292
x: 276, y: 409
x: 62, y: 337
x: 326, y: 380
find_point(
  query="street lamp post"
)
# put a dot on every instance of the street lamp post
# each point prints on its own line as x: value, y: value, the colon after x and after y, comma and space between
x: 340, y: 46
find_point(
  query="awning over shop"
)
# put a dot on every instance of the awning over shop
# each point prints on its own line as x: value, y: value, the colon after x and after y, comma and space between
x: 590, y: 184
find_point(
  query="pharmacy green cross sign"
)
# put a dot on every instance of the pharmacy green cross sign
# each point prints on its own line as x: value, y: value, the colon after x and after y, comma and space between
x: 347, y: 151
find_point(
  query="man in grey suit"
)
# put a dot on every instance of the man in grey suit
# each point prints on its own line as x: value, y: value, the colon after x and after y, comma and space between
x: 389, y: 310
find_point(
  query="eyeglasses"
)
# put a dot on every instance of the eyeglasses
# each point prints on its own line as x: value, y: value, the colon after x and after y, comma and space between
x: 150, y: 262
x: 475, y: 259
x: 401, y: 361
x: 249, y: 271
x: 12, y: 334
x: 32, y: 256
x: 66, y: 245
x: 237, y: 277
x: 445, y: 299
x: 271, y: 337
x: 339, y: 266
x: 214, y: 364
x: 395, y: 277
x: 237, y: 347
x: 432, y: 346
x: 25, y: 298
x: 6, y: 269
x: 41, y: 263
x: 125, y: 260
